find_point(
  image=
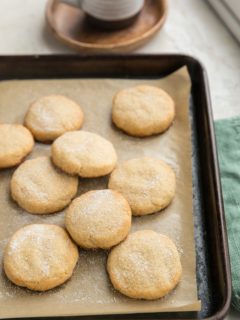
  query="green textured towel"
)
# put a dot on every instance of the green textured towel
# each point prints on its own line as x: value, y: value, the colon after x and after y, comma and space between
x: 228, y: 143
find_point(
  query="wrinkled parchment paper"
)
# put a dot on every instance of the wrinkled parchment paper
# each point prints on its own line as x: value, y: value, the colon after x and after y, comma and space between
x: 89, y: 290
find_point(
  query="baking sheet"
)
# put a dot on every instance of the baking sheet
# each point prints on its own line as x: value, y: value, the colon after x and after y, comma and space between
x: 89, y: 290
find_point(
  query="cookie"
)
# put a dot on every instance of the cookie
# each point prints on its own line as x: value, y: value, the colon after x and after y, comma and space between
x: 143, y: 110
x: 147, y: 183
x: 38, y: 187
x: 16, y: 142
x: 84, y: 153
x: 40, y: 257
x: 145, y: 266
x: 98, y: 219
x: 51, y: 116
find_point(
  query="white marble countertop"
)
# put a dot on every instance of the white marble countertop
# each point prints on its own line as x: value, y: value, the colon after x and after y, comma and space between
x: 191, y: 28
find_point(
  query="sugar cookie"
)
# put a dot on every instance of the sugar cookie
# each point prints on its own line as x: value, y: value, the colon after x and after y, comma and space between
x: 143, y: 110
x: 39, y: 187
x: 51, y: 116
x: 98, y: 219
x: 84, y: 153
x: 40, y: 257
x: 16, y: 142
x: 148, y: 184
x: 145, y: 266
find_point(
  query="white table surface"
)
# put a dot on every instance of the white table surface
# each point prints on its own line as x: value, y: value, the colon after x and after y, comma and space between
x: 191, y: 28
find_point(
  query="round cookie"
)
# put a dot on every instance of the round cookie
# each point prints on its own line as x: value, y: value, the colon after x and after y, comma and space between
x: 148, y: 184
x: 84, y: 153
x: 145, y: 266
x: 40, y: 257
x: 16, y: 142
x: 51, y: 116
x: 98, y: 219
x: 38, y: 187
x: 143, y: 110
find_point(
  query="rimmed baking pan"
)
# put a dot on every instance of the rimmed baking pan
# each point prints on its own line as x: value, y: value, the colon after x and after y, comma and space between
x: 213, y: 271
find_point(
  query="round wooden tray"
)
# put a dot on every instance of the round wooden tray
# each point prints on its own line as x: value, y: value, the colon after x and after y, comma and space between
x: 69, y: 25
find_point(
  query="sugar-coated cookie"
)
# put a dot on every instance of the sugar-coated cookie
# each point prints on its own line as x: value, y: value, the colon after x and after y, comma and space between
x: 16, y: 142
x: 40, y: 257
x: 145, y: 266
x: 39, y: 187
x: 143, y: 110
x: 98, y: 219
x: 147, y: 183
x: 51, y: 116
x: 84, y: 153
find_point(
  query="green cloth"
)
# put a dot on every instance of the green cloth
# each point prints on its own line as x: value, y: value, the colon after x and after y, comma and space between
x: 228, y: 144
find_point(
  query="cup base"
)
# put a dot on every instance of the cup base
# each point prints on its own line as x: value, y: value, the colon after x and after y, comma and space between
x: 111, y: 24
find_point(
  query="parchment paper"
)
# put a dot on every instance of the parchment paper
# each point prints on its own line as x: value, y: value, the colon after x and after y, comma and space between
x: 89, y: 290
